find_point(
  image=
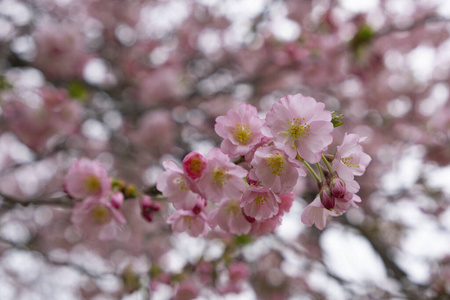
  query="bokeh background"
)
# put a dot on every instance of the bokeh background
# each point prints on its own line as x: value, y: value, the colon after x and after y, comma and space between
x: 132, y: 83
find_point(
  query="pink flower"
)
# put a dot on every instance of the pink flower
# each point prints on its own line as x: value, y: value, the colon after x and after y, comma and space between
x: 230, y: 218
x: 240, y: 129
x: 315, y: 213
x: 276, y: 170
x: 194, y: 164
x: 87, y: 179
x: 350, y: 160
x: 176, y: 186
x: 300, y: 125
x: 263, y: 227
x: 221, y: 178
x: 189, y: 222
x: 97, y: 218
x: 260, y: 203
x: 286, y: 202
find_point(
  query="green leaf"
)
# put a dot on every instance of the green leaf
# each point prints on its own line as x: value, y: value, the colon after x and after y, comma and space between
x: 77, y: 90
x: 243, y: 240
x: 361, y: 39
x: 336, y: 119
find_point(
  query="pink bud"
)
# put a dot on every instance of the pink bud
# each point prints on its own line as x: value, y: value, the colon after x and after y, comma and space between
x: 194, y: 164
x: 148, y: 207
x: 338, y: 188
x: 251, y: 177
x: 327, y: 200
x: 117, y: 200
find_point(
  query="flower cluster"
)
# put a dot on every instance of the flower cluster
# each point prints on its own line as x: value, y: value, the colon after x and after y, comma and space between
x: 102, y: 197
x: 250, y: 195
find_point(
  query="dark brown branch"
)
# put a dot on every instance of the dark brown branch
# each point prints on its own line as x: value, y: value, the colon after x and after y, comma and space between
x: 63, y: 201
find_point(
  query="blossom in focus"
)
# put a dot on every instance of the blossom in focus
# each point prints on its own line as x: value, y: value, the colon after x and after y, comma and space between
x: 189, y: 222
x: 315, y: 213
x: 300, y: 125
x: 229, y: 217
x: 240, y: 130
x: 276, y: 170
x: 260, y: 202
x: 221, y: 178
x: 194, y: 164
x: 87, y: 179
x: 350, y: 160
x: 175, y: 186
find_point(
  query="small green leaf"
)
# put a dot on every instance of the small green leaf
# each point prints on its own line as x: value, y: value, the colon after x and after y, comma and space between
x: 4, y: 84
x: 361, y: 39
x: 243, y: 240
x: 336, y: 119
x: 77, y: 90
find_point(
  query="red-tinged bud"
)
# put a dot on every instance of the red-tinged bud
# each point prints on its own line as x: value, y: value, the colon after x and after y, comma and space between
x: 251, y: 178
x: 194, y: 164
x: 148, y: 207
x: 328, y: 201
x: 155, y: 207
x: 338, y: 188
x: 197, y: 209
x: 147, y: 215
x: 117, y: 200
x: 248, y: 218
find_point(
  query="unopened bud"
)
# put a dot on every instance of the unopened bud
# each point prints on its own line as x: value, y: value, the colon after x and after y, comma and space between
x: 338, y: 188
x: 251, y: 178
x: 130, y: 191
x: 148, y: 207
x: 117, y: 200
x: 194, y: 164
x: 328, y: 201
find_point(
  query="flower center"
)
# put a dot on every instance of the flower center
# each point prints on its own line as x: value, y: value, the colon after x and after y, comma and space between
x: 101, y: 214
x: 296, y: 130
x: 92, y: 184
x: 348, y: 161
x: 260, y: 200
x: 233, y: 208
x: 242, y: 133
x: 181, y: 183
x: 195, y: 165
x: 220, y: 176
x: 276, y: 164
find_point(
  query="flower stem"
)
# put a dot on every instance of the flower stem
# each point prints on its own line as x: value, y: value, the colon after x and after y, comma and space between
x: 322, y: 176
x: 327, y: 163
x: 312, y: 172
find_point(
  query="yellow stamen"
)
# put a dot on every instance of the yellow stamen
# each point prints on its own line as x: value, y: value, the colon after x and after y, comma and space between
x: 220, y: 176
x: 242, y: 133
x: 101, y: 214
x: 296, y: 130
x: 260, y: 200
x: 276, y: 164
x: 92, y: 184
x: 348, y: 161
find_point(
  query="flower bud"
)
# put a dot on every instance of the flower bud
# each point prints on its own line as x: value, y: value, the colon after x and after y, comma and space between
x: 328, y: 201
x: 117, y: 200
x: 194, y: 164
x: 251, y: 178
x: 338, y: 188
x: 148, y: 207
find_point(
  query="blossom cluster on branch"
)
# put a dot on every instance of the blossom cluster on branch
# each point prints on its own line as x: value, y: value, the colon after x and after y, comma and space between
x: 251, y: 194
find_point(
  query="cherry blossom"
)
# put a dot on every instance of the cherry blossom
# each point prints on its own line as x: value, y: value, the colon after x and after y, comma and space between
x: 300, y: 126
